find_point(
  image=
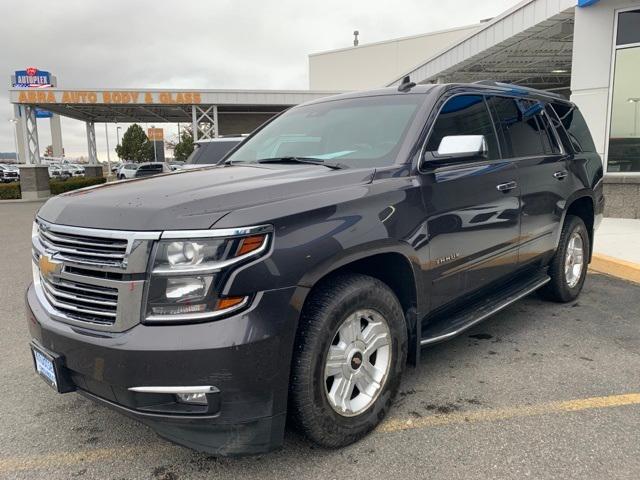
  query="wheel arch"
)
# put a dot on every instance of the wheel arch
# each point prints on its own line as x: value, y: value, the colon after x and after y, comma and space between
x: 393, y: 264
x: 582, y: 204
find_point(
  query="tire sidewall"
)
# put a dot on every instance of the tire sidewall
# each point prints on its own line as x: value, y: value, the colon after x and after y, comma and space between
x: 379, y: 298
x: 575, y: 225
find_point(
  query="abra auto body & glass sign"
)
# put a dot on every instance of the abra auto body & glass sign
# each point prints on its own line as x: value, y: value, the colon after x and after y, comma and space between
x: 116, y: 97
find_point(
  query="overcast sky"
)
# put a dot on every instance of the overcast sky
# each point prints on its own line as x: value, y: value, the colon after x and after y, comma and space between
x: 197, y: 43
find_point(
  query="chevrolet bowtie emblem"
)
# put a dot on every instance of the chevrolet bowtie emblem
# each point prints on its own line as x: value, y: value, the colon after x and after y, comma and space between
x: 49, y: 266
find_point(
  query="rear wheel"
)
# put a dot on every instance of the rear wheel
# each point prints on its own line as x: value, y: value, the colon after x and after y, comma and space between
x: 568, y: 269
x: 350, y: 351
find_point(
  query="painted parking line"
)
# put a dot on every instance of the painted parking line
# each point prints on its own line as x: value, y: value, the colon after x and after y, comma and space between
x: 507, y: 413
x: 53, y: 461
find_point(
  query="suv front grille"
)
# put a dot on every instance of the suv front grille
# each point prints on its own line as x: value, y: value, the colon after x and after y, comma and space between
x: 91, y: 277
x: 84, y: 249
x: 82, y: 301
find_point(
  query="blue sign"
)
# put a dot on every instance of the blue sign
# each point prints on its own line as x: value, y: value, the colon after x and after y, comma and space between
x: 31, y: 77
x: 586, y: 3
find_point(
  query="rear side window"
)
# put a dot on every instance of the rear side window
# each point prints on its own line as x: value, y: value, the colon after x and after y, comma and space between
x: 575, y: 126
x: 464, y: 115
x: 522, y: 128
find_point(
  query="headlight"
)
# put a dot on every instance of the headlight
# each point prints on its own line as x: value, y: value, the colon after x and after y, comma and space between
x: 187, y: 274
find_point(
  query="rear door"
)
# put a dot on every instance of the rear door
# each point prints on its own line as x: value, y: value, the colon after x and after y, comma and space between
x: 528, y: 138
x: 472, y: 207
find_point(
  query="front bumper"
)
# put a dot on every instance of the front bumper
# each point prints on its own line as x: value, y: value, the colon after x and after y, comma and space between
x: 246, y: 357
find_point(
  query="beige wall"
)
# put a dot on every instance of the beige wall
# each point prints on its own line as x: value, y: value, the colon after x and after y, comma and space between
x: 377, y: 64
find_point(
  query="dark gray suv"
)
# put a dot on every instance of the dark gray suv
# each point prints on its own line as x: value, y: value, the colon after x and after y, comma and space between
x: 301, y: 274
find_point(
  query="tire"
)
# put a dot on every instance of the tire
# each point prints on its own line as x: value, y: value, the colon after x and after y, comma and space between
x: 565, y: 287
x: 369, y: 306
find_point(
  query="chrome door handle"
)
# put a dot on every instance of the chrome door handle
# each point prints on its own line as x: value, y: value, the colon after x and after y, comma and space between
x: 560, y: 175
x: 505, y: 187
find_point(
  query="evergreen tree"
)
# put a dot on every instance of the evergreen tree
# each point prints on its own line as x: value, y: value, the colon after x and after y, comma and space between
x: 135, y: 145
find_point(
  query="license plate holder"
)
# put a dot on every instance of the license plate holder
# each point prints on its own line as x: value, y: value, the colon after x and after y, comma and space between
x: 50, y: 367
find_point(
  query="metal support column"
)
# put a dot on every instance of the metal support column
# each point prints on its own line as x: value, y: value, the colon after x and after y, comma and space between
x: 29, y: 127
x: 204, y: 122
x: 94, y: 169
x: 91, y: 143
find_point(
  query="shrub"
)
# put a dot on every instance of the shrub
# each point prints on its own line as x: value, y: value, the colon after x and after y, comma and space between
x: 61, y: 186
x: 9, y: 191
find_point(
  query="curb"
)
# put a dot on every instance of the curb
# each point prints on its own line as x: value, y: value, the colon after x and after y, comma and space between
x: 615, y: 267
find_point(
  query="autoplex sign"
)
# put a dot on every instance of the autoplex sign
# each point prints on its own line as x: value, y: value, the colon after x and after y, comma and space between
x: 32, y: 77
x: 117, y: 97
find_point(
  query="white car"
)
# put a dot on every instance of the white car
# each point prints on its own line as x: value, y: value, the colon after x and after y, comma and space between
x: 75, y: 170
x: 127, y: 170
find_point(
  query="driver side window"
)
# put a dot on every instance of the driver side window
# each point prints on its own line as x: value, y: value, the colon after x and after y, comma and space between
x: 464, y: 115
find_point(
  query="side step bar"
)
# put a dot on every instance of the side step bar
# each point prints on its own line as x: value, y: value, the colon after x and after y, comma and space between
x: 448, y: 327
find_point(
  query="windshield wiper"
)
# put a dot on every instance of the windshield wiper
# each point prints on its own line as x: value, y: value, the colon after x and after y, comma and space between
x: 307, y: 160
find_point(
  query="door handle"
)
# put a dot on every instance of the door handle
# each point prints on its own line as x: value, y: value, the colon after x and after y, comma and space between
x: 505, y: 187
x: 560, y: 175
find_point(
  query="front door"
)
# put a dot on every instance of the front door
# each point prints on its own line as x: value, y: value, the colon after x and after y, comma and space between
x: 472, y: 205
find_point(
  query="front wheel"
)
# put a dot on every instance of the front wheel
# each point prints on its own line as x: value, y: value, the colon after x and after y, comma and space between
x: 568, y: 269
x: 350, y: 351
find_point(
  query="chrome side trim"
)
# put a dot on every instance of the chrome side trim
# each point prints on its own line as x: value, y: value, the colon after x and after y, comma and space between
x: 522, y: 294
x: 220, y: 232
x: 176, y: 390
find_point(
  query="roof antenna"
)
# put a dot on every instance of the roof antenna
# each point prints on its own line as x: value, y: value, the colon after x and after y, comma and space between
x: 406, y: 84
x: 355, y: 38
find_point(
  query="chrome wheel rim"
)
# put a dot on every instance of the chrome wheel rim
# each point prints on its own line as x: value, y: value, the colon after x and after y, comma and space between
x: 574, y: 260
x: 357, y: 363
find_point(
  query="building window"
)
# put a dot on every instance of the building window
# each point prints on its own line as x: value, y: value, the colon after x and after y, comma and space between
x: 624, y: 133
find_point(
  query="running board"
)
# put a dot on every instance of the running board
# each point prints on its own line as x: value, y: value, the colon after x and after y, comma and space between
x: 448, y: 327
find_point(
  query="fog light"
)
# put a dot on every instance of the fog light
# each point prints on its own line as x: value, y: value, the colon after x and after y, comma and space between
x: 192, y: 398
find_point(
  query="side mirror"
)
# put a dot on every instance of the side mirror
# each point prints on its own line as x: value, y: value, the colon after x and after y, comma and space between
x: 463, y: 146
x: 458, y: 147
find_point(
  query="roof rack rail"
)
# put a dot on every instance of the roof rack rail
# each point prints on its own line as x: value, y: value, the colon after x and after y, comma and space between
x: 521, y: 89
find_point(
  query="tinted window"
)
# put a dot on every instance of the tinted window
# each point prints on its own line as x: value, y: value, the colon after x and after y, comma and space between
x: 576, y: 127
x: 549, y: 139
x: 555, y: 121
x: 355, y: 132
x: 628, y: 27
x: 523, y: 134
x: 464, y: 115
x: 208, y: 153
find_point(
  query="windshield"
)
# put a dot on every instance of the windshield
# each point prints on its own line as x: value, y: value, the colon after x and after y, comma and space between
x: 358, y: 132
x: 210, y: 153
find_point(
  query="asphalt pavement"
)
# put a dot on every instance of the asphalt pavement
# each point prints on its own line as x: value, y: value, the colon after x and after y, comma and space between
x: 541, y: 390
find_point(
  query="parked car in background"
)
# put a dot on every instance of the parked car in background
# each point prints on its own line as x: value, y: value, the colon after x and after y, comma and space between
x: 9, y: 173
x: 210, y: 152
x: 115, y: 167
x: 176, y: 165
x: 75, y: 170
x: 56, y: 172
x: 152, y: 168
x: 127, y: 170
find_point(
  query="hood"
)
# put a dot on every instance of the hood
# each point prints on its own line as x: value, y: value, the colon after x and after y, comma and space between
x: 192, y: 199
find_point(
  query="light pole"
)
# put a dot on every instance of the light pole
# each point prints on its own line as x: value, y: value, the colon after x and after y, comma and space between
x: 14, y: 121
x: 636, y: 101
x: 118, y: 134
x: 155, y: 154
x: 106, y: 135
